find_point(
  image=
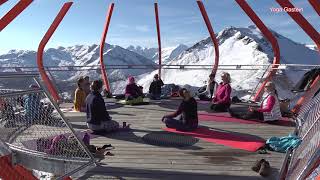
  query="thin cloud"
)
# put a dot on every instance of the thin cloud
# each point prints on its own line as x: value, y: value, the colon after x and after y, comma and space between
x: 143, y: 28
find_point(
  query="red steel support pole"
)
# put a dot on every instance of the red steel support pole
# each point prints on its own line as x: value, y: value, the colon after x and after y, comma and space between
x: 63, y: 11
x: 103, y: 39
x: 2, y: 2
x: 316, y: 5
x: 315, y: 36
x: 13, y: 13
x: 212, y: 35
x: 159, y: 37
x: 267, y: 33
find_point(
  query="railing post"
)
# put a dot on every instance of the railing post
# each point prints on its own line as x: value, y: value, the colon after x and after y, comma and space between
x: 212, y: 36
x: 315, y: 36
x: 13, y: 13
x: 159, y: 37
x: 63, y: 11
x: 274, y: 43
x: 316, y: 5
x: 103, y: 39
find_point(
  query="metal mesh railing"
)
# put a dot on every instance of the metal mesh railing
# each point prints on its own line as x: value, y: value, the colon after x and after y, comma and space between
x: 35, y: 129
x: 315, y: 174
x: 308, y: 153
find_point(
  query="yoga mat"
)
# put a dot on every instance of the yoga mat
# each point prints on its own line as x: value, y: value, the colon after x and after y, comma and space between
x: 203, y: 102
x: 233, y: 140
x: 226, y: 118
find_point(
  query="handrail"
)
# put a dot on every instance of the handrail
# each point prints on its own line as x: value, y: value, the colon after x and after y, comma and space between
x: 212, y: 36
x: 63, y: 11
x: 159, y: 37
x: 13, y: 13
x: 103, y: 39
x: 267, y: 33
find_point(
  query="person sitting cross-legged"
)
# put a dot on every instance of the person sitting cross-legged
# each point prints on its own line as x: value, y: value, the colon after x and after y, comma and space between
x: 189, y: 113
x: 98, y: 118
x: 269, y: 109
x: 133, y: 93
x: 221, y: 101
x: 155, y: 88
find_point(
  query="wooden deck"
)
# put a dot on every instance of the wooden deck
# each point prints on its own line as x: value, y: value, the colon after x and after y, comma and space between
x: 135, y: 159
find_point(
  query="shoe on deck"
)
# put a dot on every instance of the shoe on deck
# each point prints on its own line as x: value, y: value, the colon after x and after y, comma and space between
x: 265, y: 169
x: 257, y: 165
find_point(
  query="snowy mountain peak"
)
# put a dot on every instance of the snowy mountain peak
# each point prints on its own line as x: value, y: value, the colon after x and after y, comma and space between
x: 167, y: 53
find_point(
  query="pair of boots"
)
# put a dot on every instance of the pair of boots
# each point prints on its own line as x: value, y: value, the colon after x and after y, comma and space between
x: 262, y: 167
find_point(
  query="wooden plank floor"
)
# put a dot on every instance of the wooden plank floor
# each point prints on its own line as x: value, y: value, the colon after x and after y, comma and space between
x: 135, y: 159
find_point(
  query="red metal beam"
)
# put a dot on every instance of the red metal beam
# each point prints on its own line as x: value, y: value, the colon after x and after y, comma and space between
x: 267, y: 33
x: 212, y: 35
x: 63, y: 11
x: 315, y: 36
x: 2, y: 2
x: 103, y: 39
x: 13, y: 13
x: 159, y: 37
x: 316, y: 5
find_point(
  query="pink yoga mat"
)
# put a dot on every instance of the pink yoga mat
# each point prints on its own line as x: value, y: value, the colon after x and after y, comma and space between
x: 227, y: 118
x: 234, y: 140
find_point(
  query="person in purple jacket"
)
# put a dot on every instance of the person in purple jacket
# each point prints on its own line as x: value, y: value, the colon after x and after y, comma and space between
x: 188, y: 110
x: 132, y: 90
x: 221, y: 101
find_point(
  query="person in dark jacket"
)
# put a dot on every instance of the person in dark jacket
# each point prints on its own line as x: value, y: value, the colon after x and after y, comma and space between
x: 189, y: 114
x: 155, y: 88
x: 98, y: 118
x: 132, y: 90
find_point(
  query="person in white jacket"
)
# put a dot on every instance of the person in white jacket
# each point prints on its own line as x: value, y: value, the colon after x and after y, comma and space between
x: 207, y: 94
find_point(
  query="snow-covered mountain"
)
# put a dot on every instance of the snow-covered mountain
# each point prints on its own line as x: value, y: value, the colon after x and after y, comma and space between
x: 167, y: 53
x: 239, y: 46
x: 312, y: 46
x: 79, y: 55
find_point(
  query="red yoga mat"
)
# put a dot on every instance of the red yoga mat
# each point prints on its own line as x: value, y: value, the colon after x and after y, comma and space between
x: 226, y: 118
x: 234, y: 140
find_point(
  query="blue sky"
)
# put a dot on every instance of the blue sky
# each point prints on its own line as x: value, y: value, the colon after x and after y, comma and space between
x: 133, y: 22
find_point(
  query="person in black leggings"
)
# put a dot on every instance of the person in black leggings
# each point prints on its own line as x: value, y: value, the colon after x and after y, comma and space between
x: 188, y: 110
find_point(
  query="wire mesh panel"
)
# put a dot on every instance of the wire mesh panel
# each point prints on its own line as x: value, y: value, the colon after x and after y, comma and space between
x: 34, y: 128
x: 305, y: 112
x: 314, y: 174
x: 308, y: 152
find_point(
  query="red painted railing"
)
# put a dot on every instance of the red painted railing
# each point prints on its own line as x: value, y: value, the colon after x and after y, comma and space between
x: 316, y: 5
x: 2, y: 2
x: 42, y: 45
x: 212, y: 36
x: 315, y: 36
x: 274, y: 43
x: 159, y: 37
x: 13, y: 13
x: 103, y: 39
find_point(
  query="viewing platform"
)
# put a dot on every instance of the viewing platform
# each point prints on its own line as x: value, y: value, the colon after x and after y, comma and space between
x: 149, y: 152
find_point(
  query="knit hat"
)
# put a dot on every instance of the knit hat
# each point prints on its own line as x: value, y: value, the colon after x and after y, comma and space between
x: 131, y: 80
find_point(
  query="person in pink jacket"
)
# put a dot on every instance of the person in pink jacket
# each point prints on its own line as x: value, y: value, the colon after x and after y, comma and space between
x: 269, y: 109
x: 221, y: 101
